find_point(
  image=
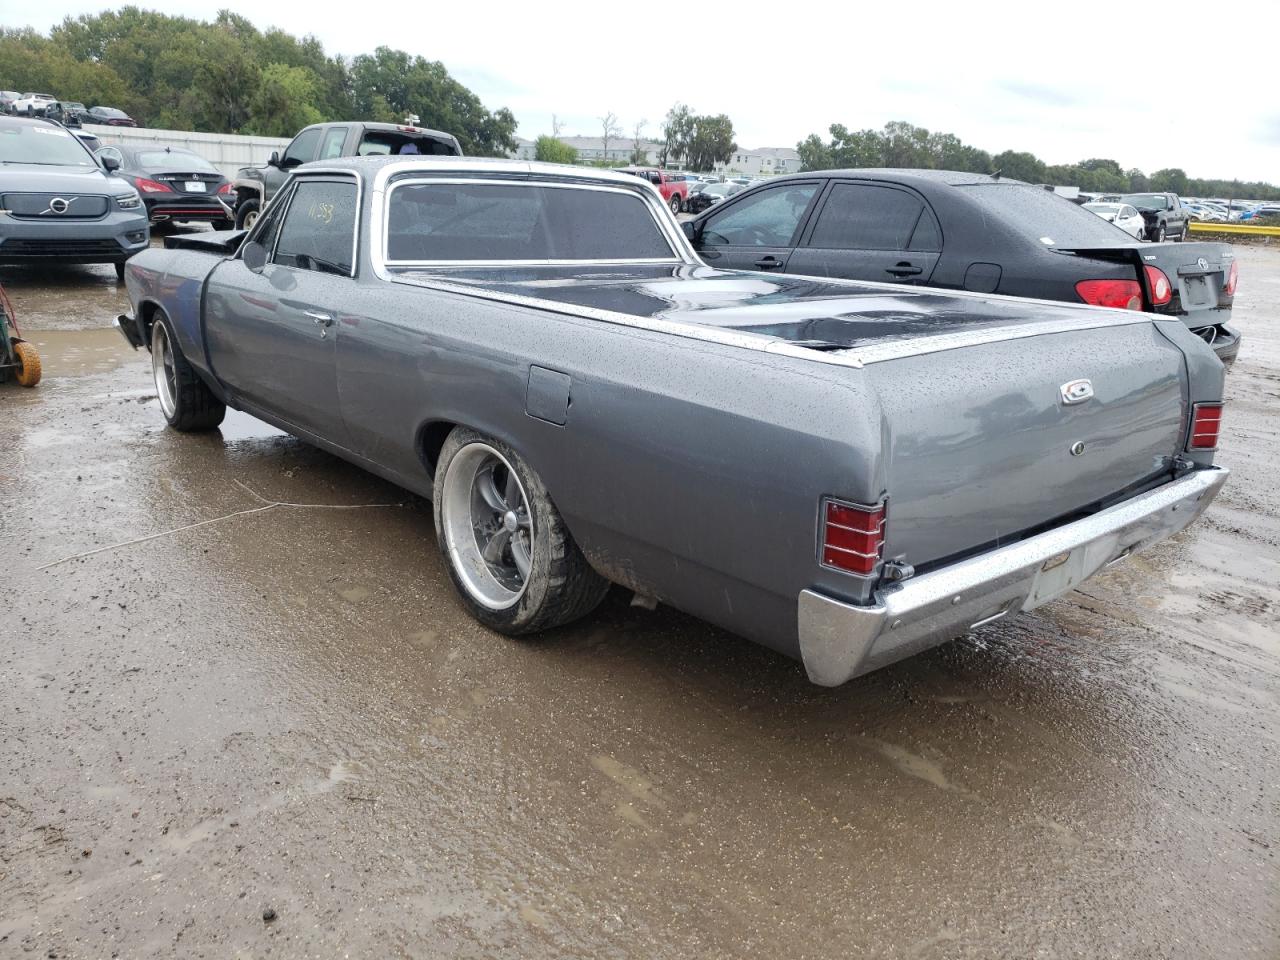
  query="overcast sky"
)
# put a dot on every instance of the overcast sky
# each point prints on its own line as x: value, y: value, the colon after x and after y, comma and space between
x: 999, y: 76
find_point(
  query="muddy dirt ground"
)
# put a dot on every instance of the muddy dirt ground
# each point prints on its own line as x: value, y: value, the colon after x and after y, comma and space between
x: 278, y: 734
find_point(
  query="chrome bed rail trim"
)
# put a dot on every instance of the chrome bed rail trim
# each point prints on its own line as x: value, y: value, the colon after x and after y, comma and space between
x: 839, y: 641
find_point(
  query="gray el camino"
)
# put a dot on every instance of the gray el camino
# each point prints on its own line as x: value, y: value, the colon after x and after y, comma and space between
x: 846, y: 472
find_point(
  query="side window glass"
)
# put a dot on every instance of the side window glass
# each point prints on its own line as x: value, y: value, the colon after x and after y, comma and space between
x: 334, y: 138
x: 268, y: 225
x: 319, y: 227
x: 303, y: 148
x: 768, y: 218
x: 927, y: 236
x: 860, y: 216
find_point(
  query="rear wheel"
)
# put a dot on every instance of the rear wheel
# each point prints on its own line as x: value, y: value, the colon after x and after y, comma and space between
x: 506, y: 546
x: 185, y: 400
x: 1186, y: 228
x: 28, y: 372
x: 247, y: 214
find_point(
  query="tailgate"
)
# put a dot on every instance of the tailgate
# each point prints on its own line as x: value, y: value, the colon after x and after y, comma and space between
x: 981, y: 442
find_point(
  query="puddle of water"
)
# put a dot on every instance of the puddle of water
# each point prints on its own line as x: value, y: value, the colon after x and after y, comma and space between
x: 78, y: 353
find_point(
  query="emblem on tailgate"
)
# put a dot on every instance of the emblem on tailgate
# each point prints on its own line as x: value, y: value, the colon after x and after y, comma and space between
x: 1202, y: 263
x: 1075, y: 391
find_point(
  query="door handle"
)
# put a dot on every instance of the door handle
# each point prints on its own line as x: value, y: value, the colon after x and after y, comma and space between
x: 905, y: 269
x: 768, y: 263
x: 321, y: 319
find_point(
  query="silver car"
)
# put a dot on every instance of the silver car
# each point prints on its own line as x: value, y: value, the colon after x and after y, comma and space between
x: 57, y: 204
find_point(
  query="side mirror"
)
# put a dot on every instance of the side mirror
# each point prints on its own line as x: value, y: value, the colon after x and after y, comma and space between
x: 691, y: 228
x: 110, y: 164
x: 254, y: 256
x: 274, y: 159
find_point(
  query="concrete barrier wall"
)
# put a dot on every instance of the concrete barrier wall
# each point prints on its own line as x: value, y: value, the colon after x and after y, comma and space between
x: 225, y: 151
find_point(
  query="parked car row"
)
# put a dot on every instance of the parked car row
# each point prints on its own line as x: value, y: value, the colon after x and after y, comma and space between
x: 64, y: 111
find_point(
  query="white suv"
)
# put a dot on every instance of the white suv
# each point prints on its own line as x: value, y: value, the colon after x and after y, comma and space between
x: 32, y: 103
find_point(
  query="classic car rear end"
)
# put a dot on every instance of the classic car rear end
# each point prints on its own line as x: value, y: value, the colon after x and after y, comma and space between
x: 845, y: 472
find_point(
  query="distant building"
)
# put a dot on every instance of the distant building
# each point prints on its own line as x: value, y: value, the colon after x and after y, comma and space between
x: 763, y: 162
x: 525, y: 150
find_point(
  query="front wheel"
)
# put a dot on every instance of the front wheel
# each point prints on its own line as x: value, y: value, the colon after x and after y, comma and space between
x: 247, y: 214
x: 675, y: 203
x: 185, y: 400
x: 505, y: 545
x: 1159, y: 237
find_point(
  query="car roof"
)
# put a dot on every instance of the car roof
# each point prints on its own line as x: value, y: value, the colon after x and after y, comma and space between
x: 371, y: 166
x: 910, y: 177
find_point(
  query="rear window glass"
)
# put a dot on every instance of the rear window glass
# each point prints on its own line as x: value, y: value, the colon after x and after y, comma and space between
x: 1044, y: 216
x: 380, y: 143
x: 170, y: 160
x: 506, y: 221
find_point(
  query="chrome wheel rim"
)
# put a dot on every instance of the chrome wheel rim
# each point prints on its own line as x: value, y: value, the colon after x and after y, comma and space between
x: 250, y: 219
x: 162, y: 369
x: 487, y: 527
x: 675, y: 204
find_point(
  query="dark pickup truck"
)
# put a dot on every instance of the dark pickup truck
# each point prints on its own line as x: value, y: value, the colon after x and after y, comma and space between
x: 255, y: 186
x: 1165, y: 216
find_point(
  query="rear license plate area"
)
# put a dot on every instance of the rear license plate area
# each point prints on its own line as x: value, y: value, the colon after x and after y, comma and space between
x: 1056, y: 576
x: 1199, y: 292
x: 194, y: 186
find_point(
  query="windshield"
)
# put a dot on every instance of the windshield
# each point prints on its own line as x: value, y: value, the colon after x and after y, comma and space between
x: 162, y: 160
x: 1044, y: 216
x: 718, y: 189
x: 1146, y: 201
x: 41, y: 143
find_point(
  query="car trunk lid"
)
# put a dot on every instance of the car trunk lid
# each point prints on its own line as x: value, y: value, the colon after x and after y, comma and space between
x: 989, y: 443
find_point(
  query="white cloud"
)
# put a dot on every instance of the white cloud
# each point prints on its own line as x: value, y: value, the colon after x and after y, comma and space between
x: 1065, y: 87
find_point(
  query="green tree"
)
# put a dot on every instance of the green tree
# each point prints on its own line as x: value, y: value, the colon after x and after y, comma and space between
x: 282, y: 104
x: 1019, y: 166
x: 712, y: 142
x: 677, y: 132
x: 1170, y: 179
x: 550, y: 150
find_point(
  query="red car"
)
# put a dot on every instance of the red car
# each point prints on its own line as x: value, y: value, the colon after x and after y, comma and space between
x: 673, y: 187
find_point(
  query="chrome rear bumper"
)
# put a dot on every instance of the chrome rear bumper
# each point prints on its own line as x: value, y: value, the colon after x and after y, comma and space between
x: 839, y: 641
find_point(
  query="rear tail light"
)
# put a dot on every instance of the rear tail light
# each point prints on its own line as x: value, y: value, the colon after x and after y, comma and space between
x: 151, y: 186
x: 1124, y: 294
x: 1233, y: 275
x: 852, y: 536
x: 1206, y: 420
x: 1161, y: 289
x: 225, y: 188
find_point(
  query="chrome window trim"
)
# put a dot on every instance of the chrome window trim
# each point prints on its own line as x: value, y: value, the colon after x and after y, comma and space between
x: 444, y: 168
x: 287, y: 193
x: 544, y: 184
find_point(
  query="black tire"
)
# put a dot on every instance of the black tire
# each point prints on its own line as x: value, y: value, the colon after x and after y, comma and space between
x: 247, y: 210
x: 675, y: 203
x: 120, y: 271
x: 1186, y: 228
x: 185, y: 400
x: 560, y: 585
x: 1159, y: 237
